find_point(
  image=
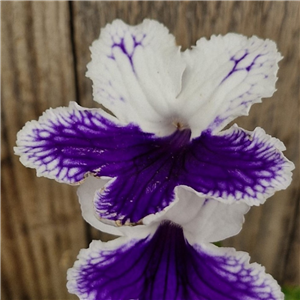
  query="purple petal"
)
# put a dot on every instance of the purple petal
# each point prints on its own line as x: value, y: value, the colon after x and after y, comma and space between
x: 237, y: 165
x: 68, y: 143
x: 233, y: 166
x: 144, y: 185
x: 164, y: 267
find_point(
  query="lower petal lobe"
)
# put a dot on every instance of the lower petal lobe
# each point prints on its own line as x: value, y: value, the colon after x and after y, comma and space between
x: 165, y: 267
x: 236, y: 165
x: 233, y: 166
x: 68, y: 143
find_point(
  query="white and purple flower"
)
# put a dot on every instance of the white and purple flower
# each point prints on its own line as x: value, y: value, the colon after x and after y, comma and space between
x: 160, y: 162
x: 170, y: 257
x: 169, y: 107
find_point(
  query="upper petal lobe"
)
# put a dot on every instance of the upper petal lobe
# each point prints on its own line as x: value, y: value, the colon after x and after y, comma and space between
x: 224, y: 77
x: 136, y: 73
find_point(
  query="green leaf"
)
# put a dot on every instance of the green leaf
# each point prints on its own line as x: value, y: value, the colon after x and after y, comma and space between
x: 291, y: 293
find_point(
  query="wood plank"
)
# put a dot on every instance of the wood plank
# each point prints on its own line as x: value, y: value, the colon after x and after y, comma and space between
x: 42, y: 227
x: 267, y: 233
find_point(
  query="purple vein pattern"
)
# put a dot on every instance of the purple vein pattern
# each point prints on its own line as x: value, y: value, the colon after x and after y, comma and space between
x: 166, y: 267
x: 248, y: 68
x: 70, y: 143
x: 126, y: 49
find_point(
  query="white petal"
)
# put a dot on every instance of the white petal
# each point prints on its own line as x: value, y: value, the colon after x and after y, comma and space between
x: 202, y: 219
x: 136, y: 73
x: 224, y: 77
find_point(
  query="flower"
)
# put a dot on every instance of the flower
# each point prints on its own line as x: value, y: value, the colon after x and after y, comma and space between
x: 169, y: 109
x: 162, y: 161
x: 170, y: 258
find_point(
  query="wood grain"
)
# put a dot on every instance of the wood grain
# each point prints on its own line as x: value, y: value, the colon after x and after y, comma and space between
x: 44, y: 57
x: 42, y: 228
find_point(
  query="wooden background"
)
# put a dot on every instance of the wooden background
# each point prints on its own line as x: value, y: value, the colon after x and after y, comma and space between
x: 45, y: 49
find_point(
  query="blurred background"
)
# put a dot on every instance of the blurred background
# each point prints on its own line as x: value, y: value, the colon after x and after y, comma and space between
x: 45, y: 49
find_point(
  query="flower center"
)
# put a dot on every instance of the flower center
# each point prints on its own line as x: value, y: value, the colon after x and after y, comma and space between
x: 179, y: 125
x: 179, y: 139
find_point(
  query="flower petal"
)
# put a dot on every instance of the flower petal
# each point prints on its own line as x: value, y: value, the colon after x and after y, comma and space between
x: 202, y: 219
x: 165, y: 266
x: 237, y: 165
x: 145, y: 184
x: 224, y: 77
x: 67, y: 143
x: 136, y: 73
x: 86, y: 194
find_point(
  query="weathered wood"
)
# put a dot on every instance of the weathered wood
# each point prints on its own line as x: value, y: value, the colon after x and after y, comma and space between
x: 42, y: 228
x: 44, y: 57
